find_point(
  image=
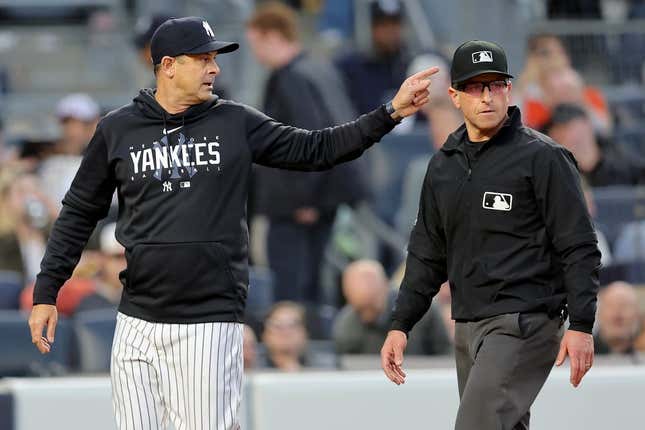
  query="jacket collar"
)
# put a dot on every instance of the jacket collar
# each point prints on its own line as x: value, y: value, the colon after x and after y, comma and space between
x: 457, y: 139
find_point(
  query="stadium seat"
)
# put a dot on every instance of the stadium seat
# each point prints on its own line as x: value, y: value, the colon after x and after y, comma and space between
x: 260, y: 295
x: 388, y: 163
x: 617, y: 206
x: 10, y: 288
x: 94, y: 332
x: 24, y: 359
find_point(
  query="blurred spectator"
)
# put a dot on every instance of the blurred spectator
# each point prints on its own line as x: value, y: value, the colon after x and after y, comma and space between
x: 619, y: 320
x: 285, y: 339
x: 25, y: 216
x: 8, y: 154
x: 442, y: 119
x: 78, y: 115
x: 548, y: 79
x: 601, y: 162
x: 545, y: 52
x: 249, y: 348
x: 112, y: 263
x: 362, y: 325
x: 606, y: 258
x: 300, y: 207
x: 143, y: 31
x: 372, y: 77
x: 565, y: 85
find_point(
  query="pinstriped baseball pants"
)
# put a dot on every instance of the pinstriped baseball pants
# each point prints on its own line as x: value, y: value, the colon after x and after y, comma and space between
x: 187, y: 374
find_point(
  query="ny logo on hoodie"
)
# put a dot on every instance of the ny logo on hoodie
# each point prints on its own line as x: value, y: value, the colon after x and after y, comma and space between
x: 173, y: 161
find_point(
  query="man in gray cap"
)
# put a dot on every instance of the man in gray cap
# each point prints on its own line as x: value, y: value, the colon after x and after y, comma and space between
x: 502, y: 218
x: 180, y: 159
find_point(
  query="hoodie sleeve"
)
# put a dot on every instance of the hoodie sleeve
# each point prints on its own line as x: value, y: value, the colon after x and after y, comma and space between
x: 277, y: 145
x: 87, y: 201
x: 564, y: 210
x: 425, y: 266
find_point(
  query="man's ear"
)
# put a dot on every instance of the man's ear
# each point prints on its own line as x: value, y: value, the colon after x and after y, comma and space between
x: 168, y: 66
x: 454, y: 96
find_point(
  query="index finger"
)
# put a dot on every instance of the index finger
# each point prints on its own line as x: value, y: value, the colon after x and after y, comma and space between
x: 423, y: 74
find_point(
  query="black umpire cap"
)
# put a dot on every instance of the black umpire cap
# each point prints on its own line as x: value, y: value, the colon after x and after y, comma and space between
x: 189, y: 35
x: 477, y: 57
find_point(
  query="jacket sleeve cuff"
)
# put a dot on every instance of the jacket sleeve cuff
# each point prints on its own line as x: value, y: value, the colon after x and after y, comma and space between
x: 401, y: 326
x: 581, y: 326
x: 387, y: 118
x: 46, y: 290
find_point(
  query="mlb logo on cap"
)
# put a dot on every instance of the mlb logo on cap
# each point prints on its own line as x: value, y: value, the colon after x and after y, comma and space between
x: 477, y: 57
x: 482, y: 57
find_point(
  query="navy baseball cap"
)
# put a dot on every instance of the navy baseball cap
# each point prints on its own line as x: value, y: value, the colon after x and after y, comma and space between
x: 477, y: 57
x: 189, y: 35
x: 383, y: 10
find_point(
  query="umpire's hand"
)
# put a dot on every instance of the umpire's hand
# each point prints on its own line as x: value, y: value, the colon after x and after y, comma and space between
x: 413, y: 94
x: 41, y: 316
x: 392, y: 356
x: 579, y: 347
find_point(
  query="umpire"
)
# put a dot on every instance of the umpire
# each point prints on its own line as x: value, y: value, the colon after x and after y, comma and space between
x: 179, y: 159
x: 503, y: 218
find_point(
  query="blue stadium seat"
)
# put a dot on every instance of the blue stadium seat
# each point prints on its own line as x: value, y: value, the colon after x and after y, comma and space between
x: 10, y: 288
x: 94, y: 332
x: 20, y: 357
x: 260, y: 296
x: 617, y: 206
x: 388, y: 161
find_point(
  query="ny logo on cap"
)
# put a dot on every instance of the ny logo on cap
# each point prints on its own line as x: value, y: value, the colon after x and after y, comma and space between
x: 209, y: 30
x: 482, y: 57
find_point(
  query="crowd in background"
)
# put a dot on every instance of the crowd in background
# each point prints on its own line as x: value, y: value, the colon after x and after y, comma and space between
x: 333, y: 258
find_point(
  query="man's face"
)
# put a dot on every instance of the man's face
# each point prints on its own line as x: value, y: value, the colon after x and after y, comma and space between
x: 260, y: 43
x: 484, y: 106
x: 387, y: 36
x: 367, y: 294
x: 77, y: 134
x: 618, y: 316
x: 285, y: 333
x: 194, y: 75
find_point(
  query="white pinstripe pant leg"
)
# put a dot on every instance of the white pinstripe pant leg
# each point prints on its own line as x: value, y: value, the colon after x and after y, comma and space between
x: 135, y: 381
x: 199, y: 369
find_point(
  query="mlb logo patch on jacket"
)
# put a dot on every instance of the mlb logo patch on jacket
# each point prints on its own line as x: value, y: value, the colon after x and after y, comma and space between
x: 497, y: 201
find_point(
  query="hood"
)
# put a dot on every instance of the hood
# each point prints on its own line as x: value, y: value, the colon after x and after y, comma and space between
x: 150, y: 108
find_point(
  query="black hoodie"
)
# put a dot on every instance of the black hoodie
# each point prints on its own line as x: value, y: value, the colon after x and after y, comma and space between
x: 182, y: 182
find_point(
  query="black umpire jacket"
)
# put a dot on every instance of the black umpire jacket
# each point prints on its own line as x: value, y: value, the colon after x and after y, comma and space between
x: 510, y: 231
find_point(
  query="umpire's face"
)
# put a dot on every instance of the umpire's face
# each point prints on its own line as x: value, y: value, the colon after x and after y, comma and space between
x: 194, y: 75
x: 483, y: 100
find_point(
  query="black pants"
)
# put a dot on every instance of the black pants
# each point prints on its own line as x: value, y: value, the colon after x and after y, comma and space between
x: 295, y: 253
x: 502, y: 363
